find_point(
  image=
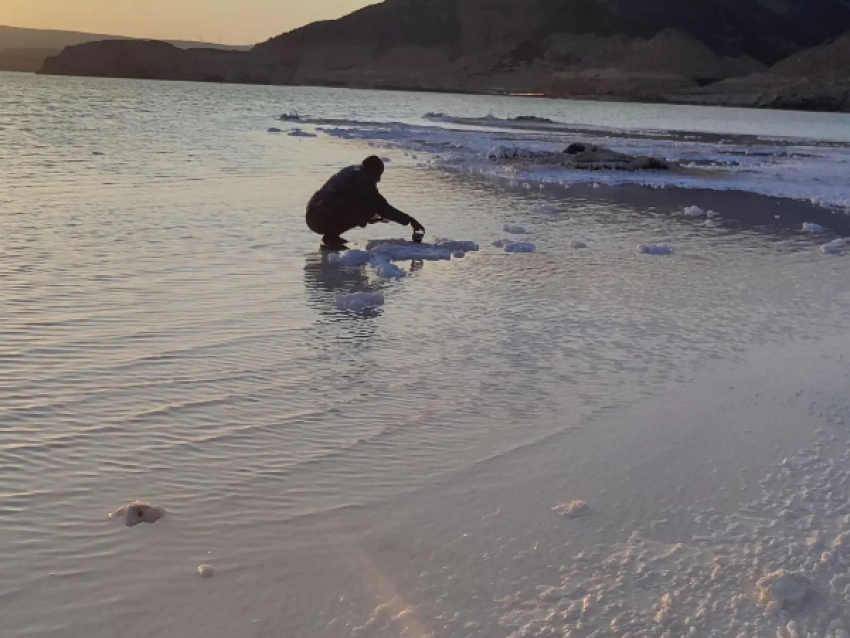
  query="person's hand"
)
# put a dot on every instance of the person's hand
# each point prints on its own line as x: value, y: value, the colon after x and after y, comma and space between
x: 417, y: 227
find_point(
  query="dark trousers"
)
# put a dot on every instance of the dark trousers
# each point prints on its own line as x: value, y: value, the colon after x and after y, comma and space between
x: 334, y: 220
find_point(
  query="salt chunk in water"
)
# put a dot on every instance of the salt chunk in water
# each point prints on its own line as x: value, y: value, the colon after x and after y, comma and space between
x: 835, y: 247
x: 206, y: 571
x: 572, y: 509
x: 519, y: 247
x: 354, y: 258
x: 655, y: 249
x: 457, y: 245
x: 358, y: 301
x: 385, y: 269
x: 513, y: 229
x: 137, y: 512
x: 788, y: 589
x: 694, y: 211
x: 812, y: 228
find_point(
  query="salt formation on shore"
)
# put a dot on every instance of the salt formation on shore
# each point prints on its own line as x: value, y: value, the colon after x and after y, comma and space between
x: 812, y: 228
x: 779, y: 567
x: 137, y: 512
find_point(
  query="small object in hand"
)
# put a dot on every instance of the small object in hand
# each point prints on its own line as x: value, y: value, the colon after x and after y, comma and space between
x: 418, y: 236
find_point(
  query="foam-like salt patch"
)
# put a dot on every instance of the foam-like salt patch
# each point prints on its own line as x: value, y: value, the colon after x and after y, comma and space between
x: 694, y: 211
x: 812, y: 228
x: 358, y: 301
x: 655, y: 249
x: 513, y: 229
x: 137, y: 512
x: 519, y: 247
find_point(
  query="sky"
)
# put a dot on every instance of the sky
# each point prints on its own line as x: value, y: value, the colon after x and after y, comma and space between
x: 226, y: 21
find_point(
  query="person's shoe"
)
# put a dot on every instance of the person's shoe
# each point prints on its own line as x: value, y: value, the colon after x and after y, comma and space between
x: 333, y: 242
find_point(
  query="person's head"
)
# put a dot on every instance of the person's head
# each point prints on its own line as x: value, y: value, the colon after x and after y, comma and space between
x: 374, y: 165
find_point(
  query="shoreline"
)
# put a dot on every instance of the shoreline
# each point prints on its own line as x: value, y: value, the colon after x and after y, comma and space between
x: 637, y: 99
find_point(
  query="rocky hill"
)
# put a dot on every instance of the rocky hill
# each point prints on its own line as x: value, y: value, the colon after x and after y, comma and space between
x: 618, y: 49
x: 23, y: 49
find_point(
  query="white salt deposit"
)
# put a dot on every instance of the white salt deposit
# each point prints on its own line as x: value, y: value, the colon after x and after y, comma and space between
x: 655, y: 249
x: 572, y: 509
x: 519, y: 247
x: 457, y: 245
x: 385, y: 269
x: 206, y: 571
x: 358, y: 301
x: 513, y: 229
x: 812, y: 228
x: 835, y: 247
x: 694, y: 211
x: 352, y: 258
x: 411, y: 251
x: 137, y: 512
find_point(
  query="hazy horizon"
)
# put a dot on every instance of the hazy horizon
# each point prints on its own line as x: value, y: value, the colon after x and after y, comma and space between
x: 229, y: 22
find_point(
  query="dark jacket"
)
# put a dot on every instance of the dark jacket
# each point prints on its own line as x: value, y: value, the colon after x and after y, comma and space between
x: 353, y: 189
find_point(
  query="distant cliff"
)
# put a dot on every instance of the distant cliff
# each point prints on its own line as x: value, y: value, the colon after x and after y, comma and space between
x: 664, y: 50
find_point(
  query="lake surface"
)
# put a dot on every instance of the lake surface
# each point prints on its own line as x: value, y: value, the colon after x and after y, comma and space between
x: 168, y: 332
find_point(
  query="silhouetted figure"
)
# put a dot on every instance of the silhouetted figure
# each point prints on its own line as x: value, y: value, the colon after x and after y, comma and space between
x: 350, y: 199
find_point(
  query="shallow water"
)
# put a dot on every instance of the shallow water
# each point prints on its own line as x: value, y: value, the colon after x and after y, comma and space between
x: 168, y: 330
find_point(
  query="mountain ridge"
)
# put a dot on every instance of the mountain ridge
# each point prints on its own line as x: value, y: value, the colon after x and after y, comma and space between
x: 606, y: 49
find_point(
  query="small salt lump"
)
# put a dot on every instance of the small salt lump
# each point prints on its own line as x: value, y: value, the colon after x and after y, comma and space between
x: 206, y: 571
x: 513, y: 229
x: 519, y: 247
x: 660, y: 249
x: 694, y: 211
x: 573, y: 509
x: 812, y: 228
x: 788, y: 589
x: 138, y: 512
x: 358, y: 301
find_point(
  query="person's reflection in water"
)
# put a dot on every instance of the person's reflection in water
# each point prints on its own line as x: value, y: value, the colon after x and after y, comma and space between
x: 324, y: 279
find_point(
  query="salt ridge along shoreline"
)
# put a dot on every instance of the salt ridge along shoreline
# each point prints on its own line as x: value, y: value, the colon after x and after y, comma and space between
x: 804, y: 170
